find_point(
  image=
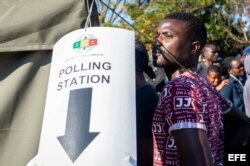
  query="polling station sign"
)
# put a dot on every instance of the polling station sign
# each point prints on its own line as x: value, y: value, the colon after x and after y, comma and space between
x: 89, y: 116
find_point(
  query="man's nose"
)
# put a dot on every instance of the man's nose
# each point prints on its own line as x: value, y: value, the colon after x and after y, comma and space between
x: 158, y: 41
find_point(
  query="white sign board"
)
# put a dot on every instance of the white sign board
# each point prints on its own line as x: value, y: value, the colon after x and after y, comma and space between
x: 89, y: 116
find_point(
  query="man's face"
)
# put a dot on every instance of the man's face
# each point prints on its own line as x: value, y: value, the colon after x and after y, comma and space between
x: 172, y: 35
x: 237, y: 68
x: 214, y: 78
x: 211, y: 53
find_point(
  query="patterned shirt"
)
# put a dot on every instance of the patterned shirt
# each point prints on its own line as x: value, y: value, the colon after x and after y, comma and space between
x: 188, y: 101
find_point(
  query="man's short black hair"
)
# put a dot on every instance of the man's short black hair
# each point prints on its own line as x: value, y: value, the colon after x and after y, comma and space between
x: 214, y: 68
x: 207, y: 45
x: 226, y: 64
x: 196, y: 26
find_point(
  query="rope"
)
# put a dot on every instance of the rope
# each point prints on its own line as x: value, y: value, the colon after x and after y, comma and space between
x: 166, y: 53
x: 88, y: 20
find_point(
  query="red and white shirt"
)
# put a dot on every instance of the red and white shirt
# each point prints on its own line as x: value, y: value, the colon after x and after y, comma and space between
x: 188, y: 101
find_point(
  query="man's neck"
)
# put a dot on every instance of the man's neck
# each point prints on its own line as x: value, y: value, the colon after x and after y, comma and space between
x: 208, y: 63
x: 172, y: 74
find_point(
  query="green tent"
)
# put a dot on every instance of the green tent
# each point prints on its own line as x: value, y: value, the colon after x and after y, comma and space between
x: 28, y: 31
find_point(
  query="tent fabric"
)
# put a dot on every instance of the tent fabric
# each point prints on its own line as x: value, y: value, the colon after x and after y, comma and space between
x: 29, y: 29
x: 36, y: 24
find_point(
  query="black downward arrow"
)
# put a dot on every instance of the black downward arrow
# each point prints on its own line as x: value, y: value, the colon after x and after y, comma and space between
x: 77, y: 136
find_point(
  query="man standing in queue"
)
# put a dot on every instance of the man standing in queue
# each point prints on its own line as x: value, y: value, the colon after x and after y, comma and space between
x: 187, y: 124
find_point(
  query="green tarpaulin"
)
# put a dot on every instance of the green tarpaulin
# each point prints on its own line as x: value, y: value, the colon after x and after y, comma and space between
x: 28, y: 31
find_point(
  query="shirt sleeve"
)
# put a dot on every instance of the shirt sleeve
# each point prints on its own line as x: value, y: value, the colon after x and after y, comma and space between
x: 184, y: 108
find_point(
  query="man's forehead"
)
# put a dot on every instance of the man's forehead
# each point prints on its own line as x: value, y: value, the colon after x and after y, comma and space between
x: 214, y: 73
x: 235, y: 61
x: 173, y: 22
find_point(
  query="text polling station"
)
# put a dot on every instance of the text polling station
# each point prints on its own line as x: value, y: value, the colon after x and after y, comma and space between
x: 89, y: 116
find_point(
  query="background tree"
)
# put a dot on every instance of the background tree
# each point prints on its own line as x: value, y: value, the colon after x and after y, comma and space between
x: 227, y: 21
x: 108, y: 17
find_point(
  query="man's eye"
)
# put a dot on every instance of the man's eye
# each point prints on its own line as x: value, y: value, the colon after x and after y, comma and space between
x: 167, y: 35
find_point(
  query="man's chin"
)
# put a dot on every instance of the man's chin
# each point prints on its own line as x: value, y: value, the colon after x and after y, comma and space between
x: 163, y: 63
x: 168, y: 66
x: 158, y: 64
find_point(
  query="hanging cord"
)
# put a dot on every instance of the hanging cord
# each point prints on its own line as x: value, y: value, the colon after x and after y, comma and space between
x: 88, y: 20
x: 166, y: 54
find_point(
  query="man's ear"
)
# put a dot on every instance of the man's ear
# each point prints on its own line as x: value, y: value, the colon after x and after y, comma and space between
x: 195, y: 48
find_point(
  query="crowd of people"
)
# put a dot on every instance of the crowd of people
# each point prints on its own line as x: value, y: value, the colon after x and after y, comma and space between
x: 203, y: 108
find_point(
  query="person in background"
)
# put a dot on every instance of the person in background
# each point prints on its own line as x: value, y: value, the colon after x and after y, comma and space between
x: 187, y: 124
x: 215, y: 78
x: 245, y: 52
x: 146, y: 101
x: 246, y: 92
x: 234, y: 89
x: 236, y: 130
x: 210, y: 54
x: 246, y: 96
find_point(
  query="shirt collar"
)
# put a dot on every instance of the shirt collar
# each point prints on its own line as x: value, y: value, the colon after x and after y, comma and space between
x: 236, y: 79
